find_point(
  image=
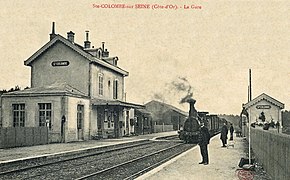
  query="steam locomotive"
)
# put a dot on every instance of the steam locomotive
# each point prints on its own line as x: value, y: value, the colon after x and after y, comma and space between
x: 190, y: 131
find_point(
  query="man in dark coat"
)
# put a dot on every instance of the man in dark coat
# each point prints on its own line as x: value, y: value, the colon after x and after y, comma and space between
x: 224, y: 135
x: 231, y: 132
x: 203, y: 141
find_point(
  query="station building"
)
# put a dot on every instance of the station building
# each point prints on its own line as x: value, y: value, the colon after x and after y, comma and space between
x: 264, y: 108
x: 76, y: 91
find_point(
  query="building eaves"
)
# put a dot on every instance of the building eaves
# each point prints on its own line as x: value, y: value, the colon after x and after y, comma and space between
x: 104, y: 102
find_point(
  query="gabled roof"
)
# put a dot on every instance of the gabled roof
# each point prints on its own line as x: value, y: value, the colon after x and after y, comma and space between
x: 168, y: 106
x: 54, y: 89
x: 265, y: 97
x: 105, y: 102
x: 77, y: 48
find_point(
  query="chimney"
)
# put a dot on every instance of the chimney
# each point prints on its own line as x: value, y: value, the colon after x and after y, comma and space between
x: 87, y: 43
x: 103, y: 46
x: 70, y: 36
x: 52, y: 35
x: 105, y: 53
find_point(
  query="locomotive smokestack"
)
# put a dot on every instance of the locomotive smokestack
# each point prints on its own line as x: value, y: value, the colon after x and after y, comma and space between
x: 192, y: 110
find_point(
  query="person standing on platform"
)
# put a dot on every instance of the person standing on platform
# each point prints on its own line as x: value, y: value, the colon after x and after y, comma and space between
x: 278, y: 125
x: 224, y: 135
x: 203, y: 141
x: 231, y: 132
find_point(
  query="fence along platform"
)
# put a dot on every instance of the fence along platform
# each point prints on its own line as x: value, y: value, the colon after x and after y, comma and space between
x: 23, y: 136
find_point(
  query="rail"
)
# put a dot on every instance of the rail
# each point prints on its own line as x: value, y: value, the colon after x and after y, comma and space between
x: 132, y: 161
x: 71, y: 158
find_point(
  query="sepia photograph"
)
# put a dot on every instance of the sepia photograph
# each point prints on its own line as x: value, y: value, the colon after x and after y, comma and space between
x: 145, y: 89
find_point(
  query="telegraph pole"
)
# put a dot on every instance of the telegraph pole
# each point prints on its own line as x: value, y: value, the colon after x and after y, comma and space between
x: 250, y: 98
x: 250, y: 85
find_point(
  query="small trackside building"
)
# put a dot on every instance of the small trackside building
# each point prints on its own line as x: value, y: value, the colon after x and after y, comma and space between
x: 264, y: 108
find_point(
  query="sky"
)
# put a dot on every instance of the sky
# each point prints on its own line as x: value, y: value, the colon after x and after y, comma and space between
x: 209, y: 50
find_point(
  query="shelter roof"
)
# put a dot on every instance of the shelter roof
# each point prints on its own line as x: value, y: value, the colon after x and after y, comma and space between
x: 265, y: 97
x: 105, y: 102
x: 144, y: 111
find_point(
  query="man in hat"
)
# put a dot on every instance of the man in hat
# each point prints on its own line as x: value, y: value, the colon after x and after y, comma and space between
x: 203, y: 141
x: 231, y: 132
x: 224, y: 135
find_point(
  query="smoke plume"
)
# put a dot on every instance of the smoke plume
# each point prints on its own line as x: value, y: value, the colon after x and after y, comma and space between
x: 183, y: 85
x: 159, y: 96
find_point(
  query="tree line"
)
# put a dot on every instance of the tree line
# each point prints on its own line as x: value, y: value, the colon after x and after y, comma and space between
x: 16, y: 88
x: 286, y: 118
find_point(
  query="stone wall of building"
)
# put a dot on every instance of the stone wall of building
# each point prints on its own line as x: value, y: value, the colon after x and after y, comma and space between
x: 72, y: 133
x: 109, y: 77
x: 76, y: 73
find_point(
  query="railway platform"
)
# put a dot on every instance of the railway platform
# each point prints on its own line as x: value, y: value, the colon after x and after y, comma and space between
x: 58, y: 149
x: 223, y: 164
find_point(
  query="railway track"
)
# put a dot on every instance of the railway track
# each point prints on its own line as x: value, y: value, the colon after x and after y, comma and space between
x: 42, y: 162
x: 108, y: 163
x: 169, y: 138
x: 138, y: 166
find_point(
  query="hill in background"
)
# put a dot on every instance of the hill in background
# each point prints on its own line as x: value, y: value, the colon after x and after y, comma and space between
x: 234, y: 119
